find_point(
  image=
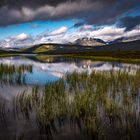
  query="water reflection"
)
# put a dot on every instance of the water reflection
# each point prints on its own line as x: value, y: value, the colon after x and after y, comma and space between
x: 40, y: 72
x: 99, y: 101
x: 11, y: 74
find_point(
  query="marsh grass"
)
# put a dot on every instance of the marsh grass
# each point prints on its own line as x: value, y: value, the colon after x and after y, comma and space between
x: 11, y: 74
x: 2, y: 113
x: 103, y: 105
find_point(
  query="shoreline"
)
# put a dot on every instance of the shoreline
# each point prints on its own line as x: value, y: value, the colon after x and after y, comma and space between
x: 101, y: 57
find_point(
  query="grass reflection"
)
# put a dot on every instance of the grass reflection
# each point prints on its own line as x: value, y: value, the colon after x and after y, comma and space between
x: 101, y: 105
x: 11, y: 74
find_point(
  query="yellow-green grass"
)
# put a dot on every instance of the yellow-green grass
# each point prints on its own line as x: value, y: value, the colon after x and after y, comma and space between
x: 103, y: 104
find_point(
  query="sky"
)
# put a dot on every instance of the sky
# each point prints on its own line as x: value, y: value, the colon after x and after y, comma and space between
x: 29, y: 22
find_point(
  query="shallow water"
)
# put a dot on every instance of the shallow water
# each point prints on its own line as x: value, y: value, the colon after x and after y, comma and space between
x: 51, y: 70
x: 20, y: 74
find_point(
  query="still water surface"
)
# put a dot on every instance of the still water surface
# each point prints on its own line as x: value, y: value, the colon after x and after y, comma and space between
x: 41, y: 72
x: 19, y: 75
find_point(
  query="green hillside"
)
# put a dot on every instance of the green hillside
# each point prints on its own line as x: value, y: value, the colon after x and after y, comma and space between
x: 119, y: 50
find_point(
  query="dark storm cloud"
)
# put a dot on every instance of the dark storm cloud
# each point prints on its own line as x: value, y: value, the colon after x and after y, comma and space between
x: 92, y: 11
x: 129, y: 22
x: 29, y: 3
x: 111, y: 11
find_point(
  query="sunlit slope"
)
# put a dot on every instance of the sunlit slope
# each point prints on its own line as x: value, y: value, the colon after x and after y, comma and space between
x: 62, y: 48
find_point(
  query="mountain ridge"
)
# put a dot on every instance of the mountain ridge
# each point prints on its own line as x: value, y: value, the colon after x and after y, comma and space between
x: 89, y: 42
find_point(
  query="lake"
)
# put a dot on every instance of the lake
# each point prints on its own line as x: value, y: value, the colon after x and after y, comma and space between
x: 43, y: 97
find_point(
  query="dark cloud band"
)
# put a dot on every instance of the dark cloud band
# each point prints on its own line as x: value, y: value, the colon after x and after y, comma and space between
x: 91, y: 11
x: 129, y: 22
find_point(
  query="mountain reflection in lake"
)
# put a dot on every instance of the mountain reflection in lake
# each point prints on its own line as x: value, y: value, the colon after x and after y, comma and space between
x: 65, y: 98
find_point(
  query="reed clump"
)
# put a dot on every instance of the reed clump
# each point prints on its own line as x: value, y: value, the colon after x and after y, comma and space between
x: 103, y: 104
x: 11, y: 74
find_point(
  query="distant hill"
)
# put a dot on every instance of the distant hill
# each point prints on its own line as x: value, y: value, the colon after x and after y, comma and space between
x: 89, y: 42
x: 40, y: 48
x: 66, y: 48
x: 125, y: 39
x: 76, y: 49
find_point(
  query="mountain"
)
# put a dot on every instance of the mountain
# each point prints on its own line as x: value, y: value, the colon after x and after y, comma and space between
x: 77, y: 49
x: 89, y: 42
x: 60, y: 49
x: 118, y: 40
x: 125, y: 39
